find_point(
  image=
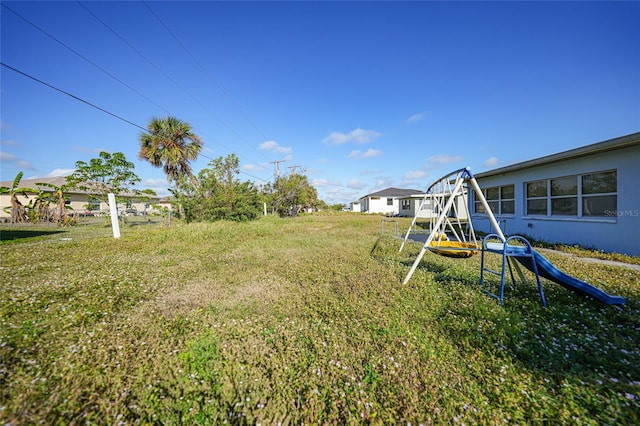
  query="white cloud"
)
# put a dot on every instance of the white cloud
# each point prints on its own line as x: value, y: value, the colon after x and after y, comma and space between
x: 370, y: 172
x: 491, y: 162
x: 370, y: 153
x: 355, y: 184
x: 358, y: 135
x: 275, y: 147
x: 59, y: 172
x: 319, y: 182
x: 154, y: 182
x: 5, y: 156
x: 383, y: 183
x: 415, y: 174
x: 24, y: 164
x: 415, y: 118
x: 8, y: 158
x: 90, y: 149
x: 10, y: 142
x: 268, y: 145
x: 159, y: 186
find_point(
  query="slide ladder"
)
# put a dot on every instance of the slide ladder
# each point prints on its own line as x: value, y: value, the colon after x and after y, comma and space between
x: 520, y: 248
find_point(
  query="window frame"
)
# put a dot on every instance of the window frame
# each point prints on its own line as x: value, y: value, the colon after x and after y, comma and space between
x: 580, y: 197
x: 499, y: 202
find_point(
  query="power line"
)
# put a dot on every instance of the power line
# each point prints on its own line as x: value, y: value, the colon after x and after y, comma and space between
x: 224, y: 92
x: 277, y: 170
x: 82, y: 57
x: 107, y: 72
x: 167, y: 76
x: 73, y: 96
x: 215, y: 82
x: 96, y: 107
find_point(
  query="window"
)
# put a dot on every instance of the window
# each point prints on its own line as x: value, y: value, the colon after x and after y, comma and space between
x: 94, y: 204
x: 507, y: 200
x: 564, y: 196
x: 389, y: 201
x: 537, y: 197
x: 501, y: 200
x: 599, y: 193
x: 427, y: 205
x: 406, y: 204
x: 588, y: 195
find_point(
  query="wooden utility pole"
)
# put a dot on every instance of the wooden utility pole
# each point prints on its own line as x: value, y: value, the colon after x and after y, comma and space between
x: 293, y: 169
x: 277, y: 163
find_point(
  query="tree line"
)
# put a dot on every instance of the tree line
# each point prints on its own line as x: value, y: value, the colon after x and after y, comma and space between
x: 214, y: 193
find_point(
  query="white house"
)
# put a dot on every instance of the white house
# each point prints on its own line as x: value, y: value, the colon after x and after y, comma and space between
x: 387, y: 201
x: 588, y: 196
x: 410, y: 206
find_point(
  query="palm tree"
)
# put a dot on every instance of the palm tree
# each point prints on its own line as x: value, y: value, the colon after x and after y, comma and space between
x: 171, y: 144
x: 18, y: 211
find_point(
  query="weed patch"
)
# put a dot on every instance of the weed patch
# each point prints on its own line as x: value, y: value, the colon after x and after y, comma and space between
x: 300, y: 320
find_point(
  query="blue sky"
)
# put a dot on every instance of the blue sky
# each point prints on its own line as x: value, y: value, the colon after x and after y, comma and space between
x: 359, y: 95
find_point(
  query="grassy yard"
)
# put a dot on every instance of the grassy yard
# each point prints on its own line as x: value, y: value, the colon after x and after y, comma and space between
x: 298, y: 321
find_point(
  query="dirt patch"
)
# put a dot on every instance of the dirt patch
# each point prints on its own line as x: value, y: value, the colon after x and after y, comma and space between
x: 200, y: 295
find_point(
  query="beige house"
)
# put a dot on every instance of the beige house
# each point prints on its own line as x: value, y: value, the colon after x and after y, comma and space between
x: 80, y: 201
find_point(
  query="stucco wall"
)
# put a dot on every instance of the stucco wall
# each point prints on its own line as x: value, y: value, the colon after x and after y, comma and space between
x: 619, y: 232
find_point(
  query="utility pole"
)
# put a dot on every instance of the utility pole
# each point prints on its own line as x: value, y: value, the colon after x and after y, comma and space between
x: 293, y: 169
x: 277, y: 163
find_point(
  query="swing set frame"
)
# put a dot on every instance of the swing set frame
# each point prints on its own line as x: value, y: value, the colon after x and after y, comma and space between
x: 446, y: 236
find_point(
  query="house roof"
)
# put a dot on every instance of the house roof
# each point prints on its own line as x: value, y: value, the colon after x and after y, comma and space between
x: 31, y: 183
x: 394, y: 192
x: 596, y: 148
x: 57, y: 181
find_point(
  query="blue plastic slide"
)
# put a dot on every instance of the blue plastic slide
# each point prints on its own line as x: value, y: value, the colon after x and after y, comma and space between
x: 547, y: 270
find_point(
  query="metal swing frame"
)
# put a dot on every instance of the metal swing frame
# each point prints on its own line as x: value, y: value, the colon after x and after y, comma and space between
x: 438, y: 192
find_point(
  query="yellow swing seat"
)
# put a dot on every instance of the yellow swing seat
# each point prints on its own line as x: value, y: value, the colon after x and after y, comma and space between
x: 456, y: 249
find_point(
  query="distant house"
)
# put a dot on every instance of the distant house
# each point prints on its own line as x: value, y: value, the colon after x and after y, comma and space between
x: 79, y: 201
x: 355, y: 206
x: 166, y: 203
x: 387, y: 201
x: 413, y: 206
x: 588, y: 196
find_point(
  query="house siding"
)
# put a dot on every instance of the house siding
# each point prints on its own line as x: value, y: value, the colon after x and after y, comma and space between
x: 618, y: 232
x: 78, y: 201
x: 378, y: 202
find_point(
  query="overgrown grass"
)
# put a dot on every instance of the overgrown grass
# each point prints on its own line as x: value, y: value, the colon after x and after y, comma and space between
x: 299, y: 321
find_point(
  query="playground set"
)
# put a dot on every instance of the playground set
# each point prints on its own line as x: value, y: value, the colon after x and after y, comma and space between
x: 451, y: 236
